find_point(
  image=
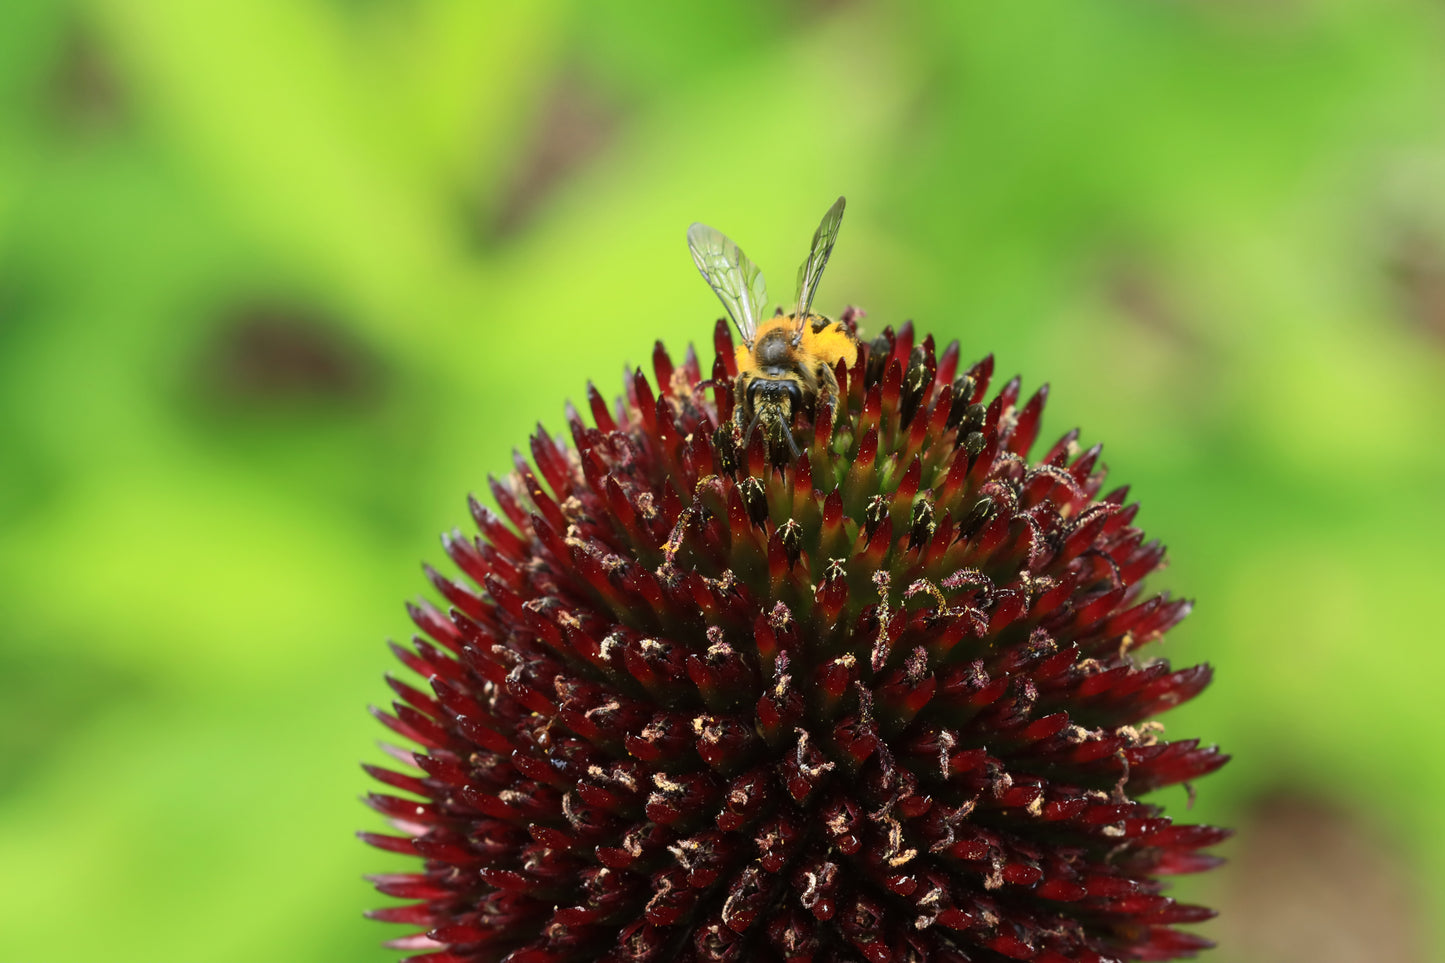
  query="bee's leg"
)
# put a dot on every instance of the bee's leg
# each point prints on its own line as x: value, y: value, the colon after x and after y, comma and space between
x: 740, y: 401
x: 747, y: 430
x: 827, y: 383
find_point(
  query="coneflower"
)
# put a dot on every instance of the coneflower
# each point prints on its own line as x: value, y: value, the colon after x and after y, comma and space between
x: 886, y: 701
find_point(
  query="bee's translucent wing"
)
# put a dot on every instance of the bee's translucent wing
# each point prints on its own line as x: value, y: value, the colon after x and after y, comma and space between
x: 736, y: 280
x: 812, y: 270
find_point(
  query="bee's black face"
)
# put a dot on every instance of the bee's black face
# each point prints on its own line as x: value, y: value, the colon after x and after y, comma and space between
x: 784, y: 397
x: 772, y: 401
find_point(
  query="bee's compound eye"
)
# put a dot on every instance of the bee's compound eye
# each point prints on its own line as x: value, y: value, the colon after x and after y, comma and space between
x: 795, y: 394
x: 755, y: 389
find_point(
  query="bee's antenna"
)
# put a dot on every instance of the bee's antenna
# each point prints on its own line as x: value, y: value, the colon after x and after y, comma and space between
x: 748, y: 434
x: 788, y: 434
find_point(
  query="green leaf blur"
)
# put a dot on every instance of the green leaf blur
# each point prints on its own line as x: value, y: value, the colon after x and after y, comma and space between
x: 282, y: 280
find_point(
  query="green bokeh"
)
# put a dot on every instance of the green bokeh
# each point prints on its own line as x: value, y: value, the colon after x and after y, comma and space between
x: 282, y: 280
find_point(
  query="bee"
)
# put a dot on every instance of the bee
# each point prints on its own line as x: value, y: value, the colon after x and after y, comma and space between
x: 785, y: 363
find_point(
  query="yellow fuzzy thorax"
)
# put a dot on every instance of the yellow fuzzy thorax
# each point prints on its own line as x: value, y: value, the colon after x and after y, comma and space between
x: 826, y: 340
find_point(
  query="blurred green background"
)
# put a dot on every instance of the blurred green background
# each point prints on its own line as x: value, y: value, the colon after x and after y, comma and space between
x: 282, y: 280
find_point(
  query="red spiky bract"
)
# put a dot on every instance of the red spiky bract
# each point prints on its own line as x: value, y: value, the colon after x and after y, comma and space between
x: 883, y: 703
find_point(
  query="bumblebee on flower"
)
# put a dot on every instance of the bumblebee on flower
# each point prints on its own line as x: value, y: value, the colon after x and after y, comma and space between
x: 786, y: 362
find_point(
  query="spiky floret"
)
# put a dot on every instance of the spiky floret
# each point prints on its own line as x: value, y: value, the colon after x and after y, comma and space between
x: 883, y: 703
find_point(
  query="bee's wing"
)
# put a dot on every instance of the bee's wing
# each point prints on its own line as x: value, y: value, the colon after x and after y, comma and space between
x: 736, y: 280
x: 812, y: 270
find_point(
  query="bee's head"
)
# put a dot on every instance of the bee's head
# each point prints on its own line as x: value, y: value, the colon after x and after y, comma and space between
x: 772, y: 353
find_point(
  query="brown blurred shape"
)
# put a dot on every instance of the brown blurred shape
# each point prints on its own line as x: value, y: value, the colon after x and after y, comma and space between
x: 574, y: 126
x: 1310, y: 883
x: 1416, y: 264
x: 86, y: 92
x: 278, y: 353
x: 1140, y: 291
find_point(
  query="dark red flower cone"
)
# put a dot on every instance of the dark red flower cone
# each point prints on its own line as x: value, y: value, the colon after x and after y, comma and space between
x: 884, y: 702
